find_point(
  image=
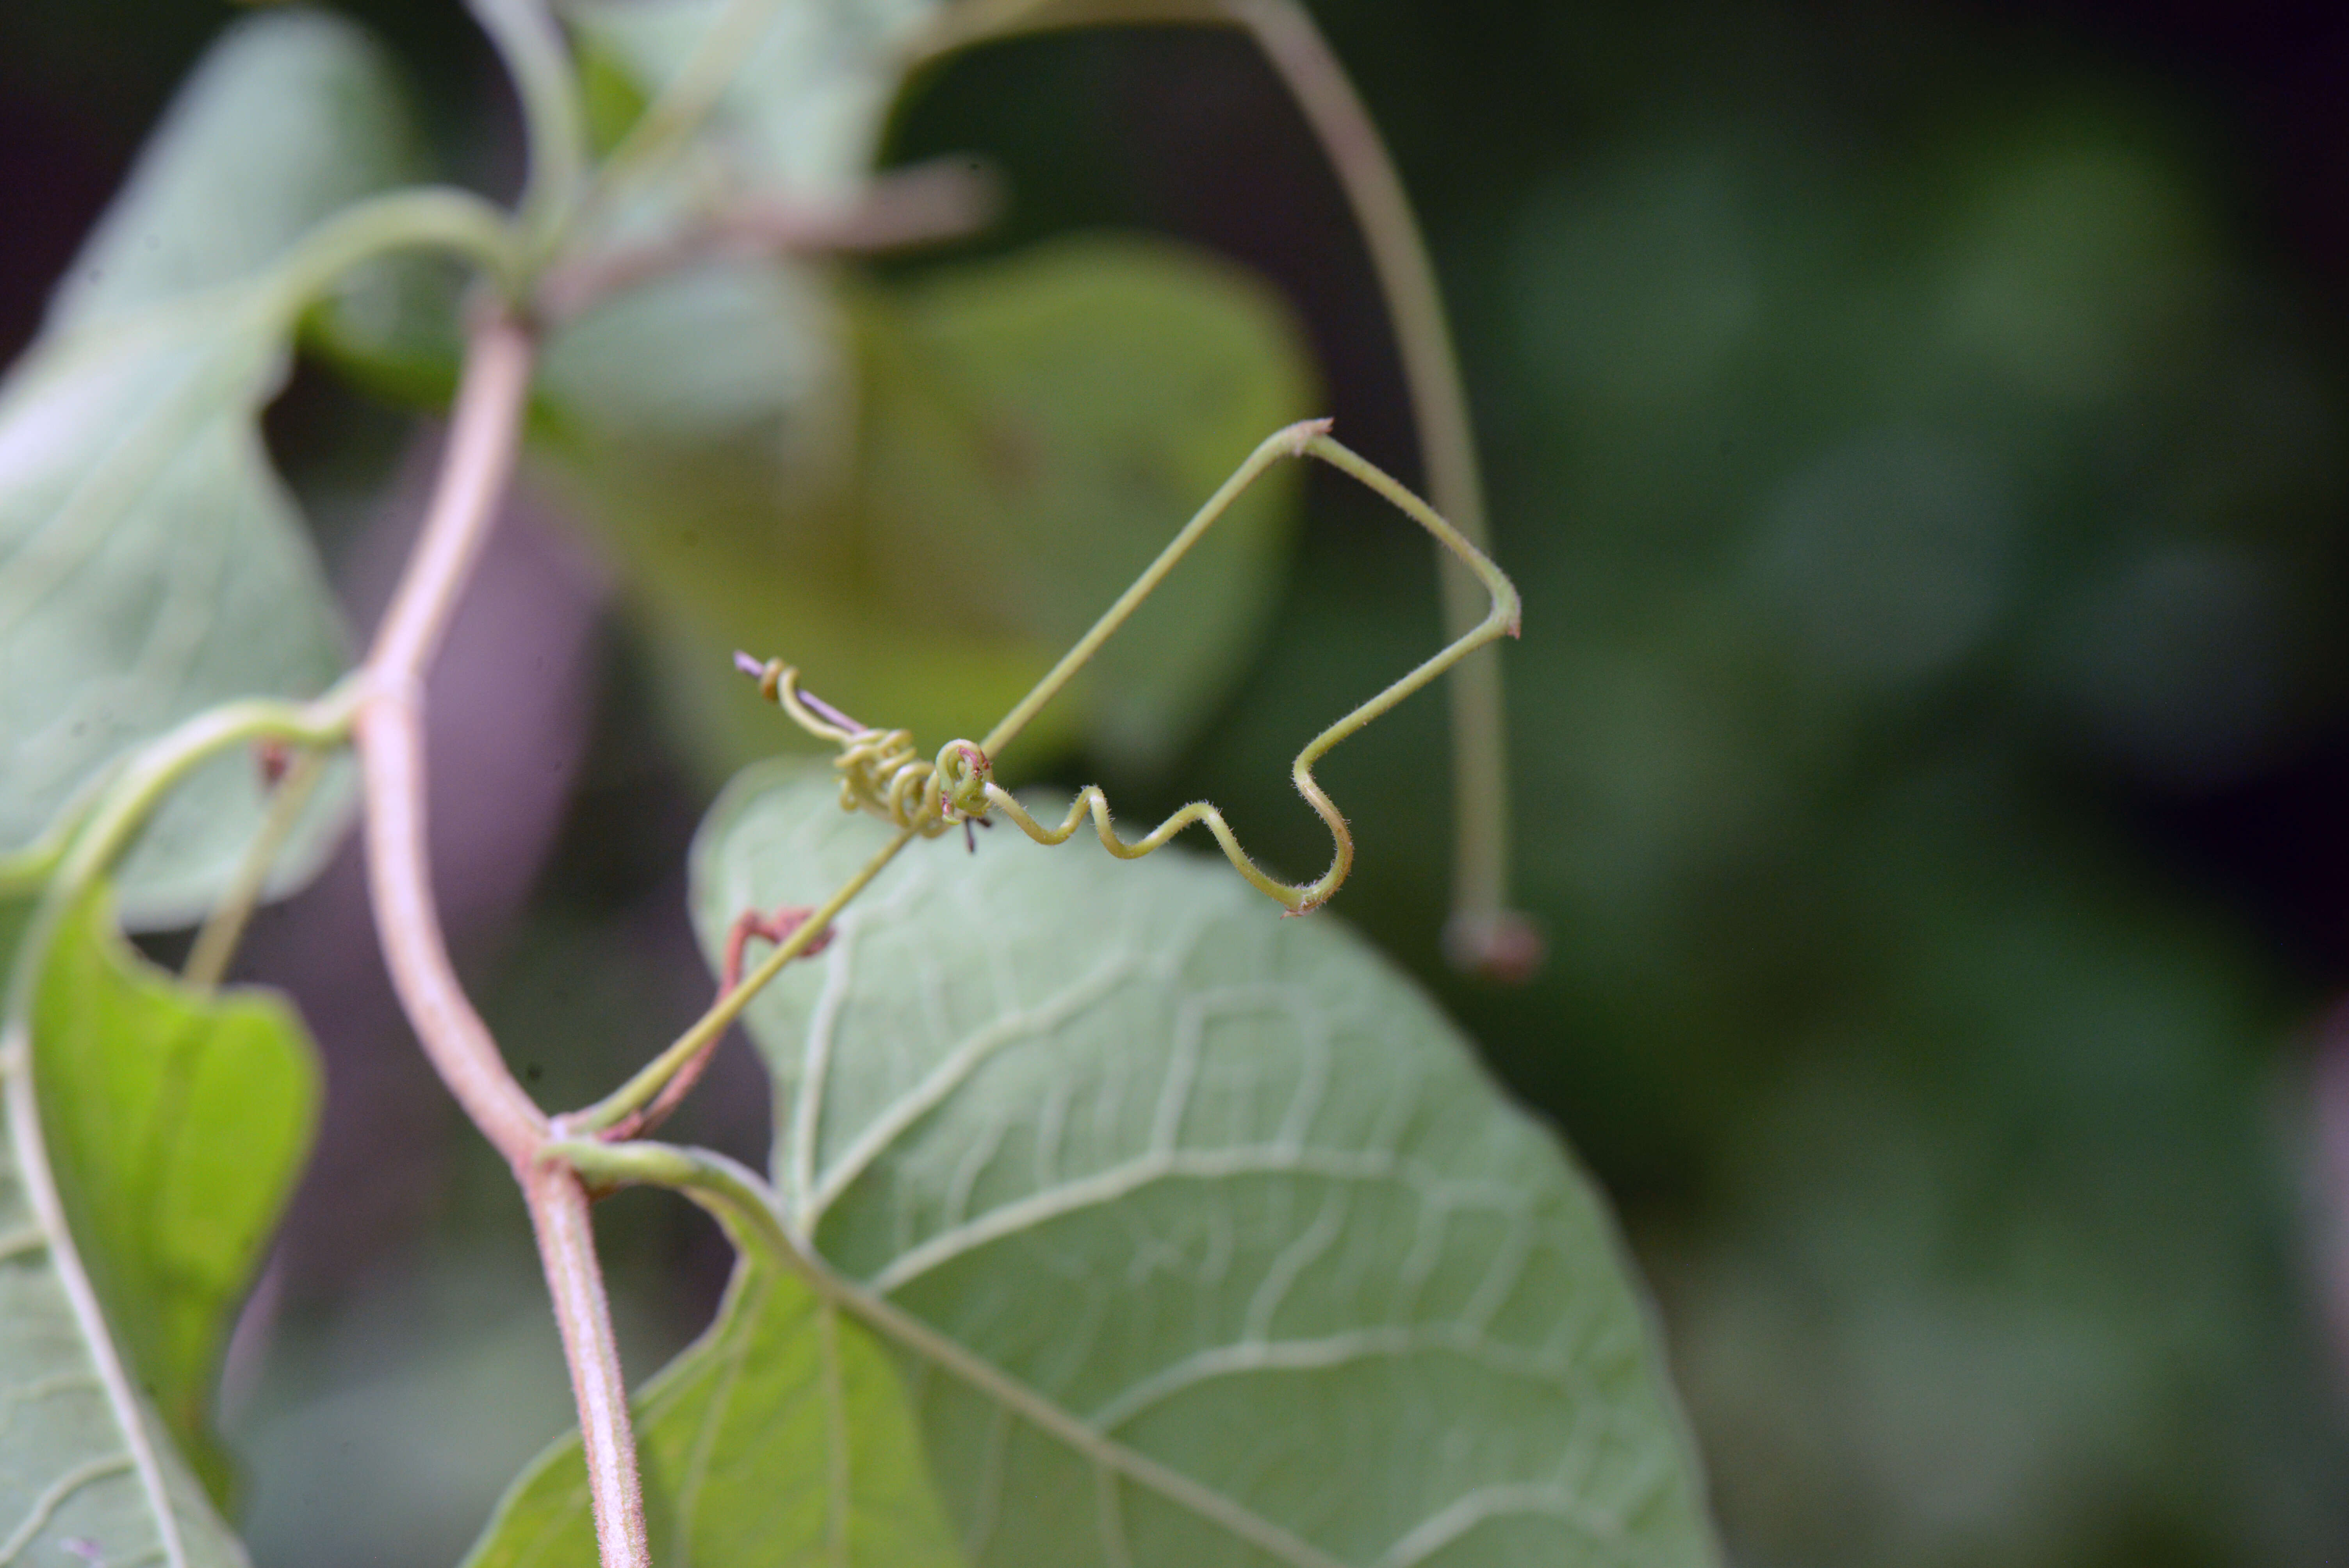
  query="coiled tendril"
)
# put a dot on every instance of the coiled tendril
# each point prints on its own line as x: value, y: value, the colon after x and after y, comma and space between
x: 882, y: 773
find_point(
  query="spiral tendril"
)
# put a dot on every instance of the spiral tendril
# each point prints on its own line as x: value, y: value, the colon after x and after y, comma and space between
x: 882, y: 773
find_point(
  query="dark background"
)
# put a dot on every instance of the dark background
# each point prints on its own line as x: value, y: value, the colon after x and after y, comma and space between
x: 1918, y: 433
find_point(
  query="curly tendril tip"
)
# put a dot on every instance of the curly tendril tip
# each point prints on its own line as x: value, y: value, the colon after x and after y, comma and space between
x: 882, y: 773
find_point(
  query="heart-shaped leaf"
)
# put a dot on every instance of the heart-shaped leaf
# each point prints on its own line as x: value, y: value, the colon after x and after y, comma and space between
x: 170, y: 1127
x: 151, y: 564
x: 1221, y: 1188
x: 781, y: 1436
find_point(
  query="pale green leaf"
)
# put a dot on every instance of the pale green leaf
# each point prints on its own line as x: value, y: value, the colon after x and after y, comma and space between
x: 292, y: 116
x: 1220, y: 1185
x: 177, y: 1123
x: 803, y: 113
x: 169, y: 1128
x: 151, y: 564
x: 1028, y: 436
x: 780, y: 1437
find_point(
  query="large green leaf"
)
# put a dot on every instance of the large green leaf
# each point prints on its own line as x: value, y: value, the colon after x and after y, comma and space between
x: 1221, y: 1186
x: 177, y: 1122
x: 782, y: 1436
x: 151, y: 564
x: 1029, y: 436
x: 170, y: 1126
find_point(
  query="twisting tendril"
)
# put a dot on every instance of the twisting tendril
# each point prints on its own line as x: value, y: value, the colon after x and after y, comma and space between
x: 881, y: 772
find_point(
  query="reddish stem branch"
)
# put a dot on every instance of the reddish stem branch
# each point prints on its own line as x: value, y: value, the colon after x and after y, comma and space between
x: 473, y: 472
x: 776, y: 929
x: 566, y: 1248
x: 483, y: 431
x: 942, y: 199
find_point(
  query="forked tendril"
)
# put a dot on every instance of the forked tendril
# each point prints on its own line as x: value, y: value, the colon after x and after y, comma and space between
x: 882, y: 773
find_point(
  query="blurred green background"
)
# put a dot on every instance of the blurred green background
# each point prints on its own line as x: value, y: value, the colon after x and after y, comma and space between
x: 1917, y: 432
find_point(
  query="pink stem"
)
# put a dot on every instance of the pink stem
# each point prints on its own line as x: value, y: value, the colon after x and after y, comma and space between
x: 483, y: 431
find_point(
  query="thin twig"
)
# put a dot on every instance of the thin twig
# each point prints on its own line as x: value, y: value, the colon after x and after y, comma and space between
x: 216, y: 940
x: 615, y: 1109
x: 772, y: 929
x: 1484, y: 932
x: 941, y: 200
x: 483, y: 431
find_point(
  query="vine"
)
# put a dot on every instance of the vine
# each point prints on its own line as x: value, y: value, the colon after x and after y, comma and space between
x: 537, y: 266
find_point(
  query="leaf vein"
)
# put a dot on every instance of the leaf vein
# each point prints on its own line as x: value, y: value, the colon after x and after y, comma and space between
x: 1117, y: 1182
x: 55, y: 1496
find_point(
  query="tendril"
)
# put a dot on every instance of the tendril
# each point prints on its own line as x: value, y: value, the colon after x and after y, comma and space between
x: 882, y: 773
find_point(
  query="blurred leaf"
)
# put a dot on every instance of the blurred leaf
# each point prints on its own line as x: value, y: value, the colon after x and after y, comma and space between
x: 781, y: 1435
x: 177, y: 1123
x: 2077, y: 265
x: 151, y: 565
x: 610, y: 92
x: 1032, y: 435
x: 726, y: 352
x: 1037, y: 431
x: 803, y: 113
x: 291, y: 117
x: 1221, y: 1186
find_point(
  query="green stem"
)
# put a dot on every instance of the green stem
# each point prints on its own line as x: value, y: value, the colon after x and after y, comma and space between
x: 24, y: 870
x: 159, y: 767
x: 428, y: 217
x: 973, y: 792
x: 1285, y: 31
x: 140, y: 785
x: 646, y: 1085
x: 553, y: 119
x: 1275, y: 446
x: 216, y: 941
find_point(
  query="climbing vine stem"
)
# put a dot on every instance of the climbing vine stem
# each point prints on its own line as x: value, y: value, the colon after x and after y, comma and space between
x: 484, y: 429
